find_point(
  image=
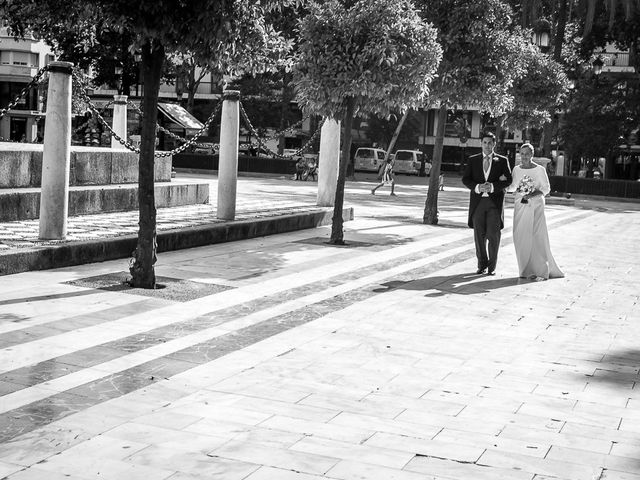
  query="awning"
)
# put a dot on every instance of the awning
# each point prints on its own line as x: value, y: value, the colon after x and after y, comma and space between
x: 179, y: 115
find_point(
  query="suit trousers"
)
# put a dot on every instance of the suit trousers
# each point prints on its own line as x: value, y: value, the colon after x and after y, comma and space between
x: 486, y: 229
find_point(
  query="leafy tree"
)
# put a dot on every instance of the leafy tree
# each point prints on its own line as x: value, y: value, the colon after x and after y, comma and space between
x: 538, y: 92
x: 222, y: 34
x: 482, y: 59
x: 600, y: 111
x: 381, y: 130
x: 357, y: 58
x: 186, y: 74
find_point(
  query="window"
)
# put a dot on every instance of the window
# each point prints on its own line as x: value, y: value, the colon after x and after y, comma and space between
x: 458, y: 124
x: 13, y: 57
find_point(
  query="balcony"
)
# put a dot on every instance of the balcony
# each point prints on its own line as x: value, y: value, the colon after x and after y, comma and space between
x: 616, y: 62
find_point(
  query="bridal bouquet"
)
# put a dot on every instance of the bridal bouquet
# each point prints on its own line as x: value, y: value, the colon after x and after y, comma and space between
x: 525, y: 187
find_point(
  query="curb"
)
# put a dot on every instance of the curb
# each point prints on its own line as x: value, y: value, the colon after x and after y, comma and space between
x: 113, y: 248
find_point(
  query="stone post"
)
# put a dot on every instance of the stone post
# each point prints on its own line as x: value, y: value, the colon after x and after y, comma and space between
x: 228, y: 159
x: 328, y: 162
x: 119, y: 120
x: 56, y: 156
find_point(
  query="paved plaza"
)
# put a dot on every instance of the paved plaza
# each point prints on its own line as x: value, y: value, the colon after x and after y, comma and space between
x: 286, y: 358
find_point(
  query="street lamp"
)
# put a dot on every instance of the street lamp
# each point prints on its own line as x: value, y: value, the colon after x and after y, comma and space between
x: 137, y: 57
x: 117, y: 70
x: 179, y: 88
x: 597, y: 66
x: 541, y: 33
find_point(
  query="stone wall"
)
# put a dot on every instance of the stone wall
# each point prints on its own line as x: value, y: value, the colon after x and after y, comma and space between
x: 21, y: 166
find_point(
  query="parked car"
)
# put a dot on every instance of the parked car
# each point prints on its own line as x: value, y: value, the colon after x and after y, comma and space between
x: 368, y: 159
x: 253, y: 151
x: 292, y: 153
x: 206, y: 148
x: 409, y: 162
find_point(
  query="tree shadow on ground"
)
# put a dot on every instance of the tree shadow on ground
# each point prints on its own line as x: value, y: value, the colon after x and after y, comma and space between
x: 40, y: 298
x: 618, y: 367
x: 462, y: 284
x: 616, y: 377
x: 605, y: 206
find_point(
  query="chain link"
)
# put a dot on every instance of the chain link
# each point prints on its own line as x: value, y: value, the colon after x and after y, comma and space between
x: 187, y: 142
x: 85, y: 97
x: 300, y: 151
x: 82, y: 92
x: 34, y: 81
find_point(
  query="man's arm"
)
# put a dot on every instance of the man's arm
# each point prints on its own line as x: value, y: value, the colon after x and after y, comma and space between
x: 505, y: 178
x: 467, y: 179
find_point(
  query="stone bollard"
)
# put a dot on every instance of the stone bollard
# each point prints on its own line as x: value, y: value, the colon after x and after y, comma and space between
x: 328, y: 162
x: 228, y: 159
x: 56, y: 157
x: 119, y: 124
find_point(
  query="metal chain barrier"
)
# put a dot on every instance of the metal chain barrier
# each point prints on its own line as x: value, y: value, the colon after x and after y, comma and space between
x: 102, y: 111
x: 191, y: 141
x: 85, y: 97
x: 300, y: 151
x: 82, y: 92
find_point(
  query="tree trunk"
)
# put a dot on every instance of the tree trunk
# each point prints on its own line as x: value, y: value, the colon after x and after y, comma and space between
x: 337, y: 236
x: 500, y: 134
x: 558, y: 40
x: 392, y: 143
x: 430, y: 216
x: 144, y: 257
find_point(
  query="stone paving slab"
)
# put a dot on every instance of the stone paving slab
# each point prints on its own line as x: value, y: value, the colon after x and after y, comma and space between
x: 385, y: 358
x: 107, y: 236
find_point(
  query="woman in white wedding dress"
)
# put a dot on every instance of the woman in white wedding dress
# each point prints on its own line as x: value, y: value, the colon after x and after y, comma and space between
x: 530, y: 236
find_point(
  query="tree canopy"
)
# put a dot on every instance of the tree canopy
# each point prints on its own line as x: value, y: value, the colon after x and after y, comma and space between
x: 378, y: 53
x: 482, y: 53
x: 539, y: 92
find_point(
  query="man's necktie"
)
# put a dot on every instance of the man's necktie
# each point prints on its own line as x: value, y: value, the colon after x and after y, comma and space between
x: 487, y: 162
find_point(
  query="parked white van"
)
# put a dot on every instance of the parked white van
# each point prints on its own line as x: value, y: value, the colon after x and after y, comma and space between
x: 368, y: 159
x: 408, y: 162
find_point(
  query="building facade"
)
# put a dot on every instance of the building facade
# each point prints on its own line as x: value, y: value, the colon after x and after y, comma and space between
x: 20, y: 61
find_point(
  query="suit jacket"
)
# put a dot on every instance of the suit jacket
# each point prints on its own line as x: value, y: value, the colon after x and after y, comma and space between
x: 474, y: 175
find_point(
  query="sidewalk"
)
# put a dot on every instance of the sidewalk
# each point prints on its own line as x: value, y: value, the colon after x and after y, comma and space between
x: 108, y: 236
x: 285, y: 358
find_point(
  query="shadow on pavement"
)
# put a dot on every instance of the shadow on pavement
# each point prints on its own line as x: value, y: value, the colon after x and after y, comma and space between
x: 47, y: 297
x: 463, y: 284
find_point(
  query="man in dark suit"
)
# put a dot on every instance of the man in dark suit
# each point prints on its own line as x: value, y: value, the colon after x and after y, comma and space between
x: 487, y: 174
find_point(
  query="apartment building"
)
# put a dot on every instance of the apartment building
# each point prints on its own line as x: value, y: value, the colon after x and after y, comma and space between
x: 20, y: 60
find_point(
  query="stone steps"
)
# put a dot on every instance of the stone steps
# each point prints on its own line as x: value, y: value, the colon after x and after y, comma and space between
x: 100, y: 180
x: 24, y: 203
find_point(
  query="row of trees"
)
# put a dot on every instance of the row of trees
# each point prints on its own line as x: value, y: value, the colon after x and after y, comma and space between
x: 340, y: 58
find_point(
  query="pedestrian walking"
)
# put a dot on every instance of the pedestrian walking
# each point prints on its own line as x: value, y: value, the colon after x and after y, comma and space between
x: 486, y: 175
x: 387, y: 178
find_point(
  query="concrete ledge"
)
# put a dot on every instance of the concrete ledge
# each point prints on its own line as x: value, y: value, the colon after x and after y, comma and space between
x: 113, y: 248
x: 24, y: 203
x: 21, y: 166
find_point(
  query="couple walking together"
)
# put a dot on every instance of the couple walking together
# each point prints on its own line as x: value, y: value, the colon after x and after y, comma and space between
x: 487, y: 175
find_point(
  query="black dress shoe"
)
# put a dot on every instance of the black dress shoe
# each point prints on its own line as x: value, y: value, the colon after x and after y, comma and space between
x: 491, y: 272
x: 480, y: 271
